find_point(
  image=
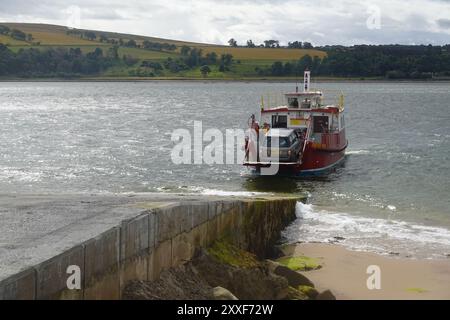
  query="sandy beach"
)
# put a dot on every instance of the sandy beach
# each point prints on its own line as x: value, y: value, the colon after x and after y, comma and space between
x: 344, y: 273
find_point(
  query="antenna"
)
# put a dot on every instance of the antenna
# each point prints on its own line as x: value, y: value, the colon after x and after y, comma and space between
x: 306, y: 80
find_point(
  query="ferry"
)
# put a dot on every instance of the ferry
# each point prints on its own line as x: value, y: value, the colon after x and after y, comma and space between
x: 310, y: 135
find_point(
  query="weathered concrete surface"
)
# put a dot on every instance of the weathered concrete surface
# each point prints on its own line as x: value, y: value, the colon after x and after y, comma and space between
x: 52, y: 276
x: 20, y: 286
x: 101, y: 263
x: 117, y: 238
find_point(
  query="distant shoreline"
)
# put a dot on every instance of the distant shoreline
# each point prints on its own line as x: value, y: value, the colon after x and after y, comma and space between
x: 185, y: 79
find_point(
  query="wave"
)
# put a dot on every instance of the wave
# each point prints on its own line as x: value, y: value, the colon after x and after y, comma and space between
x: 215, y: 192
x: 403, y: 155
x: 369, y: 200
x: 210, y: 192
x: 384, y: 236
x: 350, y: 152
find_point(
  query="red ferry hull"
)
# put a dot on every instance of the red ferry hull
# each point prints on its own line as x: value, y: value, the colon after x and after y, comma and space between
x: 318, y: 158
x: 318, y: 162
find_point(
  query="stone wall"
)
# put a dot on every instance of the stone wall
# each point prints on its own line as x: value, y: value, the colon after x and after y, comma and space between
x: 141, y: 247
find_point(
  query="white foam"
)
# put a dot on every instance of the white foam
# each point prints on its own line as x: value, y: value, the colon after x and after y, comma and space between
x: 357, y: 152
x: 214, y: 192
x: 391, y: 207
x: 20, y: 174
x: 370, y: 200
x: 368, y: 234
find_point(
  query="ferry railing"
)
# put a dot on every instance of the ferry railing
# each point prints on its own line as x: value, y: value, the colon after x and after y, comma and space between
x: 277, y: 99
x: 272, y: 100
x: 333, y: 97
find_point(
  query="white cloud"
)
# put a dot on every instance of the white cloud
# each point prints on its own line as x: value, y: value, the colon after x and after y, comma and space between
x: 320, y: 21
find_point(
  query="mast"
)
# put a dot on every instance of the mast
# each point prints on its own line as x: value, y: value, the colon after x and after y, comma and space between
x: 306, y: 80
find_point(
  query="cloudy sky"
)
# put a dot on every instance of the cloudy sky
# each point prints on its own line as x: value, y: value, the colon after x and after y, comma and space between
x: 318, y: 21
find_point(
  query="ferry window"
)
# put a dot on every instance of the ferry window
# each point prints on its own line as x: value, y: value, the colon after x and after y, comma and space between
x: 334, y: 123
x: 320, y: 124
x: 292, y: 138
x: 306, y: 104
x: 293, y: 102
x: 316, y: 102
x: 283, y: 142
x: 279, y: 121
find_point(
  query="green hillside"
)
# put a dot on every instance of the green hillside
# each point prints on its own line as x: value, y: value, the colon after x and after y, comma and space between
x: 139, y: 52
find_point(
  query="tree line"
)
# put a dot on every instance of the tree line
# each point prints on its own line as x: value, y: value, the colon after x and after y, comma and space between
x: 389, y: 61
x: 272, y: 44
x: 131, y: 43
x: 72, y: 62
x: 60, y: 62
x: 15, y: 33
x: 194, y: 57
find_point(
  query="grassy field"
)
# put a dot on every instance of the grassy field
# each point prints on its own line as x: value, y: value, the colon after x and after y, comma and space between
x: 53, y: 34
x: 281, y: 54
x: 12, y: 42
x: 247, y: 59
x: 48, y: 34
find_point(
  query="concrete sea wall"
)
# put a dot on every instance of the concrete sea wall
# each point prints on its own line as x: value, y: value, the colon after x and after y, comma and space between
x: 160, y: 236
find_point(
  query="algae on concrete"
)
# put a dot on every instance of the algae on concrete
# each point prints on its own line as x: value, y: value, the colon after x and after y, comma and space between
x: 311, y: 292
x: 227, y: 253
x: 295, y: 294
x: 417, y: 290
x: 300, y: 263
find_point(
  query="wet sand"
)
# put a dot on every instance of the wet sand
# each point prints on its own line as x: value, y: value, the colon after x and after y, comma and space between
x: 344, y: 273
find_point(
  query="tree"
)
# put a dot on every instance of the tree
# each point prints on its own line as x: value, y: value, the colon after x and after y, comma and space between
x: 158, y: 46
x: 113, y: 52
x: 185, y: 50
x: 211, y: 58
x: 288, y: 68
x: 205, y: 70
x: 304, y: 63
x: 18, y: 35
x: 307, y: 45
x: 232, y: 42
x: 271, y: 43
x: 90, y: 35
x: 4, y: 29
x: 295, y: 45
x: 175, y: 65
x: 194, y: 57
x: 131, y: 43
x: 277, y: 68
x: 226, y: 59
x: 75, y: 52
x: 250, y: 44
x: 95, y: 55
x: 129, y: 60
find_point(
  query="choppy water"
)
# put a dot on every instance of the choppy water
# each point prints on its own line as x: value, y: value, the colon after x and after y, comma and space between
x: 115, y: 137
